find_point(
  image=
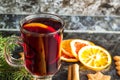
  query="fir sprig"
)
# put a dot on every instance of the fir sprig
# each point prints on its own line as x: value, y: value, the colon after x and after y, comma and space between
x: 8, y: 72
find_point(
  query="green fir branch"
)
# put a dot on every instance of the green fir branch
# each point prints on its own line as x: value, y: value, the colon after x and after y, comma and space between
x: 8, y: 72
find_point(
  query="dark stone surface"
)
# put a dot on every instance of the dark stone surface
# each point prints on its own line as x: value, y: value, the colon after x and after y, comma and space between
x: 110, y: 41
x: 81, y: 23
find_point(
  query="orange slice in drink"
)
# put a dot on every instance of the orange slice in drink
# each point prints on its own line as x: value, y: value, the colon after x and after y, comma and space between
x: 38, y: 25
x: 94, y: 57
x: 77, y: 44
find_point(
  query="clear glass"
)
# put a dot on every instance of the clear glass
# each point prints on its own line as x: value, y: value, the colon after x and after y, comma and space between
x: 41, y: 46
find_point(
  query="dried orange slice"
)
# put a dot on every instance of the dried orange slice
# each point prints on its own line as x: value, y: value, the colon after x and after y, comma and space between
x: 77, y: 44
x: 66, y: 48
x: 94, y: 57
x: 70, y: 48
x: 66, y: 54
x: 67, y: 58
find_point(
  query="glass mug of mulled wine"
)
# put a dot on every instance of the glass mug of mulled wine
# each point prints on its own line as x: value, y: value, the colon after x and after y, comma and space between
x: 41, y: 36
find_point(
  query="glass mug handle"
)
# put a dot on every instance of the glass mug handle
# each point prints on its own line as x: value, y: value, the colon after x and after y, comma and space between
x: 10, y: 45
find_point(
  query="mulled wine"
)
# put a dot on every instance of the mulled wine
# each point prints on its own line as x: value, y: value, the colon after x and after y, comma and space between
x: 42, y: 48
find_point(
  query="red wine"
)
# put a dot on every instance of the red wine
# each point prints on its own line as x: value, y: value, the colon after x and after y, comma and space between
x: 42, y: 52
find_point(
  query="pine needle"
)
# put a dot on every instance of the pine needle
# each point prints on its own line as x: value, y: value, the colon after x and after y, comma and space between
x: 8, y: 72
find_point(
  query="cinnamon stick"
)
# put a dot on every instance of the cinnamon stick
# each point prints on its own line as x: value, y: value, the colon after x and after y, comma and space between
x: 73, y: 72
x: 43, y: 68
x: 70, y: 72
x: 76, y: 72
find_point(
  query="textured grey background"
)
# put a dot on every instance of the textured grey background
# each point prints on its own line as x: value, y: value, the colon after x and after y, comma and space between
x: 73, y: 23
x: 64, y: 7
